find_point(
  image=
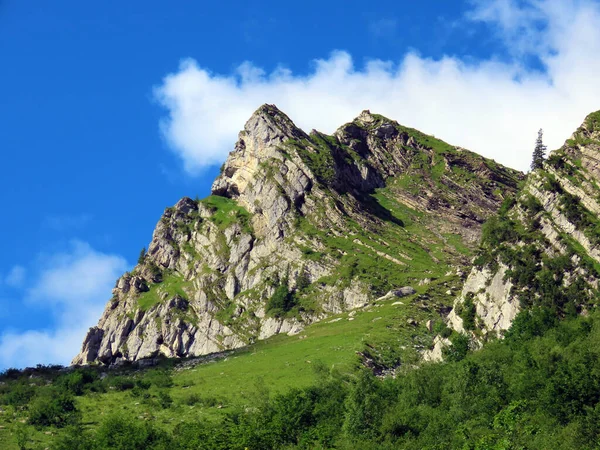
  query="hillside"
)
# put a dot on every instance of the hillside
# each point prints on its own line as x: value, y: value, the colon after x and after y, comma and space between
x: 336, y: 373
x: 542, y: 250
x: 298, y: 227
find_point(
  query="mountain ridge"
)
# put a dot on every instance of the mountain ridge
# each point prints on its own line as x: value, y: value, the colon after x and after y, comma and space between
x: 542, y: 250
x: 298, y: 226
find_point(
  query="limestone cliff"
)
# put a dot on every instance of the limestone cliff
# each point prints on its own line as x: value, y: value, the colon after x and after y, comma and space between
x: 543, y: 248
x: 298, y: 226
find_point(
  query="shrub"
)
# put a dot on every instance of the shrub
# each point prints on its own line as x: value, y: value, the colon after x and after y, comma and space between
x: 122, y: 383
x: 459, y: 348
x: 467, y: 312
x: 77, y: 381
x: 74, y: 438
x: 164, y: 399
x: 121, y: 433
x: 498, y: 230
x: 282, y: 300
x: 54, y: 408
x: 19, y: 394
x: 302, y: 282
x: 532, y: 205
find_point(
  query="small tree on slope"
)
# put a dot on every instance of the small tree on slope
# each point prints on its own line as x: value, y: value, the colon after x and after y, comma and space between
x: 539, y: 153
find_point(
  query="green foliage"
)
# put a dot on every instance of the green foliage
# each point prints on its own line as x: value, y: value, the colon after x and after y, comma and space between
x: 74, y: 437
x: 164, y: 399
x: 310, y: 254
x: 282, y: 301
x: 534, y: 389
x: 79, y: 381
x: 556, y: 160
x: 226, y: 211
x: 364, y: 407
x: 19, y: 394
x: 161, y: 378
x: 467, y: 311
x: 121, y: 383
x: 196, y: 399
x: 316, y: 153
x: 532, y: 205
x: 22, y: 436
x: 172, y: 284
x: 592, y: 121
x: 53, y: 408
x: 539, y: 152
x: 123, y: 433
x: 538, y: 386
x: 302, y: 281
x: 459, y: 348
x: 142, y: 256
x: 580, y: 216
x: 498, y: 230
x: 575, y: 211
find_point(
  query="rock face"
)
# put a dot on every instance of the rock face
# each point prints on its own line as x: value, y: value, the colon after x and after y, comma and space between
x: 543, y: 248
x: 298, y: 226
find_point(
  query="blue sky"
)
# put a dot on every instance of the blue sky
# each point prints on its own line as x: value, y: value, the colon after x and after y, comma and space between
x: 112, y: 111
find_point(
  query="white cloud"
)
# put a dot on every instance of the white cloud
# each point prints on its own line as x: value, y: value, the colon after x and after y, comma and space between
x: 16, y: 276
x: 492, y: 107
x: 74, y: 286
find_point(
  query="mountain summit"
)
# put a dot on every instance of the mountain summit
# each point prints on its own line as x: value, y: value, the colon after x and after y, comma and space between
x: 299, y: 226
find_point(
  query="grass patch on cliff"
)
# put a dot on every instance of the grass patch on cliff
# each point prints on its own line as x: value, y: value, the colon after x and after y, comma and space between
x: 316, y: 153
x: 226, y: 211
x: 172, y: 285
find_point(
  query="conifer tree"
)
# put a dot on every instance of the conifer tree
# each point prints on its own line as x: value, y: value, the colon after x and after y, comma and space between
x: 539, y: 153
x: 142, y: 256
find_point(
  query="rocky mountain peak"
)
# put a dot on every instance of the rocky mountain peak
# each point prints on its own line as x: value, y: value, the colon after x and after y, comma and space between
x: 259, y: 142
x: 269, y: 126
x: 298, y: 226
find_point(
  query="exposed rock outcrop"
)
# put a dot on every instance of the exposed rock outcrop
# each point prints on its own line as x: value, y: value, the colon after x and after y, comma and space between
x: 543, y: 249
x: 298, y: 226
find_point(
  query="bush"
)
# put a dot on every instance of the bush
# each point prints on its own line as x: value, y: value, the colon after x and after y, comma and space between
x: 74, y: 438
x: 282, y: 300
x: 467, y: 312
x: 165, y: 400
x: 122, y: 383
x: 53, y: 408
x: 302, y: 282
x: 532, y: 205
x: 498, y: 230
x: 121, y: 433
x: 19, y: 394
x: 77, y: 381
x: 459, y: 348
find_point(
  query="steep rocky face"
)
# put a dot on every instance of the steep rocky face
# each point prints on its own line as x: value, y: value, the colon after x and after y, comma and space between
x: 543, y: 248
x: 299, y: 226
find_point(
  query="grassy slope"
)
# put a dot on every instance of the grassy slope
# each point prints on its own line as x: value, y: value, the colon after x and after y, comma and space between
x: 287, y: 361
x: 277, y: 363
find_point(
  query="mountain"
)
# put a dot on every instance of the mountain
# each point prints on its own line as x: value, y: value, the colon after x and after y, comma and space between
x: 298, y: 227
x: 541, y: 252
x: 320, y: 235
